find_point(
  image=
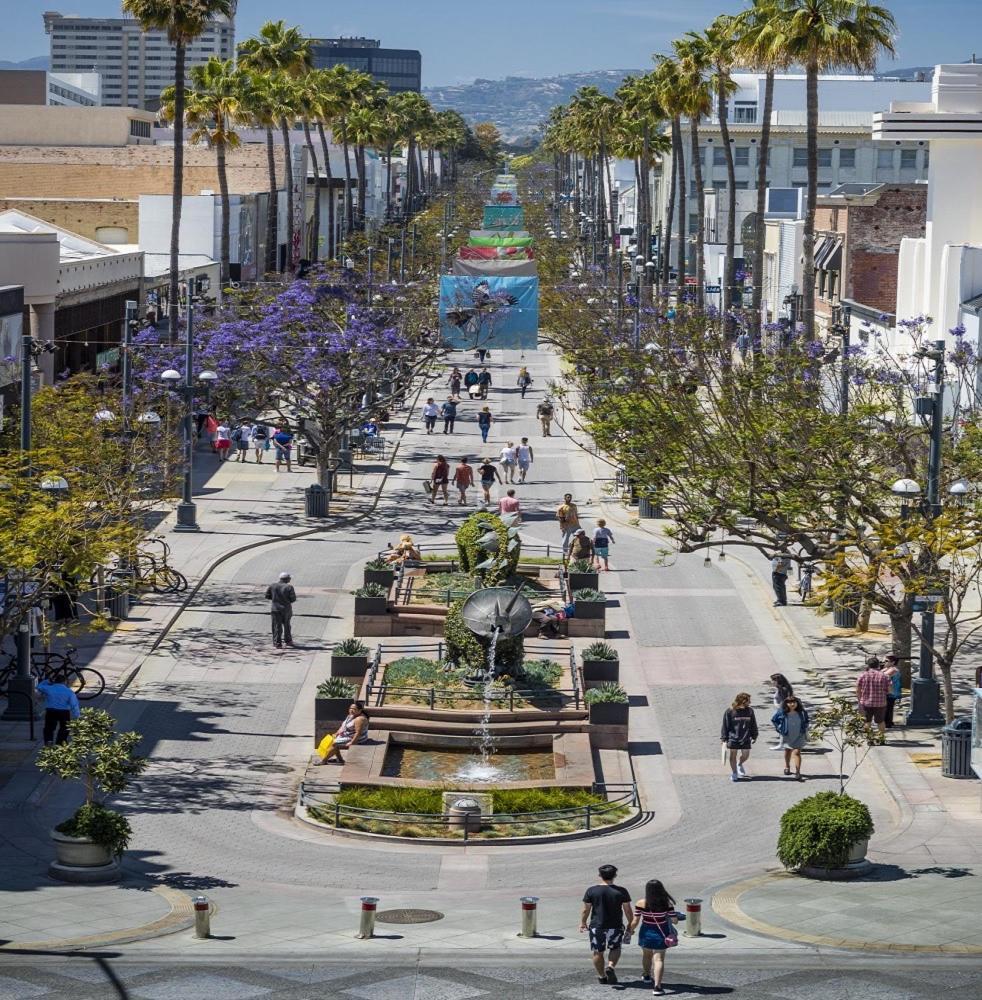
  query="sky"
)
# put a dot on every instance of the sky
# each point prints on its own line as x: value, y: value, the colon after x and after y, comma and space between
x: 463, y: 40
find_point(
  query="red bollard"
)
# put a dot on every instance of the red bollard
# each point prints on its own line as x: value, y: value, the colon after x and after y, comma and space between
x: 693, y: 917
x: 366, y: 928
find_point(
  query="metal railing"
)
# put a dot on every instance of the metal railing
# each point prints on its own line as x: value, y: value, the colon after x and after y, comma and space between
x: 564, y: 696
x: 619, y: 796
x: 548, y: 551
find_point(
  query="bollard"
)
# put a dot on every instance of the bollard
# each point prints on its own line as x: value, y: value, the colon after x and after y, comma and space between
x: 693, y: 918
x: 202, y: 917
x: 529, y: 917
x: 366, y: 928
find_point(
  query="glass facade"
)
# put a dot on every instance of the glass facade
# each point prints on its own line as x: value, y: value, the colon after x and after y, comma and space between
x: 398, y: 69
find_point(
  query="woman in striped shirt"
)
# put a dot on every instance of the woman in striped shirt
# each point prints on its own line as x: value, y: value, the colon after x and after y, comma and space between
x: 654, y: 913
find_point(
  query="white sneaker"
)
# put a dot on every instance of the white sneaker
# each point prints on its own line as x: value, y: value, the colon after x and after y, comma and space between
x: 777, y: 746
x: 742, y: 771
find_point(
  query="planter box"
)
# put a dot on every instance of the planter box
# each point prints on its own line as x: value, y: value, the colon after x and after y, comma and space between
x: 585, y: 628
x: 609, y: 713
x: 349, y: 666
x: 82, y: 861
x: 371, y: 605
x: 382, y: 576
x: 329, y: 713
x: 590, y: 609
x: 583, y: 581
x: 855, y: 866
x: 597, y: 672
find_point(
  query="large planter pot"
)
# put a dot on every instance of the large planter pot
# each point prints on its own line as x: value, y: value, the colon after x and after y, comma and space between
x: 609, y: 713
x: 371, y: 605
x: 329, y: 713
x: 596, y: 672
x: 349, y: 666
x: 590, y: 609
x: 382, y: 576
x: 583, y: 581
x: 81, y: 860
x: 856, y: 865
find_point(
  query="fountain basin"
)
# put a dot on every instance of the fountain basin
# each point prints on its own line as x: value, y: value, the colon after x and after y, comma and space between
x: 450, y: 766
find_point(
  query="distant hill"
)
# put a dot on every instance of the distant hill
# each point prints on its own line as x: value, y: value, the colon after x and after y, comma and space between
x: 518, y: 105
x: 37, y: 62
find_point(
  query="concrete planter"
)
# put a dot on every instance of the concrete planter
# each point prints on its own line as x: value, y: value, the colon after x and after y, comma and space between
x: 856, y: 865
x: 371, y: 605
x: 596, y: 672
x: 590, y: 609
x: 349, y: 666
x: 609, y: 713
x: 329, y: 713
x: 382, y: 576
x: 583, y: 581
x: 81, y: 860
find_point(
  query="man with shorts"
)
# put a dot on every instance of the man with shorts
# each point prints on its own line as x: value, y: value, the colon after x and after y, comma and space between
x: 525, y: 458
x: 606, y: 908
x: 872, y: 689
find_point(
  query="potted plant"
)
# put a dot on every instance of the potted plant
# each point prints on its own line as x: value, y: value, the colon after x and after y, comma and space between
x: 825, y: 836
x: 600, y: 664
x: 608, y: 705
x: 589, y: 603
x: 371, y: 599
x: 349, y: 659
x: 581, y: 575
x: 379, y: 571
x: 334, y: 697
x: 89, y: 844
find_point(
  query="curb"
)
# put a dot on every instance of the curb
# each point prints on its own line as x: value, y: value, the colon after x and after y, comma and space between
x: 180, y: 917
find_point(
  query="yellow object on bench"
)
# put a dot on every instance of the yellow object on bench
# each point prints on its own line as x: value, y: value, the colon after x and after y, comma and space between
x: 324, y: 747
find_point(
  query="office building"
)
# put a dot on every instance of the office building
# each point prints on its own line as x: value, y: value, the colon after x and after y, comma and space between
x: 39, y: 87
x: 135, y: 65
x: 398, y: 69
x: 26, y: 125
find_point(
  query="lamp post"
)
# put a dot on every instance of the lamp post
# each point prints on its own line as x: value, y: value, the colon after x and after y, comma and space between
x: 370, y: 275
x: 402, y: 256
x: 389, y: 262
x: 187, y: 511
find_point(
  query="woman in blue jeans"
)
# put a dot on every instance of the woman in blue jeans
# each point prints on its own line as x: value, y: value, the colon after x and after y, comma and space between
x: 484, y: 419
x: 654, y: 914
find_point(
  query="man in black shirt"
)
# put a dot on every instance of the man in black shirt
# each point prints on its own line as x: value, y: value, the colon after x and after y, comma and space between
x: 606, y: 907
x: 281, y: 597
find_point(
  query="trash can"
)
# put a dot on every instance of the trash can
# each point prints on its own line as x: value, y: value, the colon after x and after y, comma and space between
x: 956, y: 749
x: 465, y: 814
x: 315, y: 497
x: 118, y: 596
x: 845, y: 615
x: 648, y: 509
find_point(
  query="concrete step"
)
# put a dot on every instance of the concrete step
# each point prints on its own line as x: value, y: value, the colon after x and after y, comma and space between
x: 440, y: 726
x: 388, y: 711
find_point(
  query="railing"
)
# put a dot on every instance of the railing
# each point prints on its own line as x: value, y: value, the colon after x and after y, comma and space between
x: 373, y: 667
x: 619, y: 796
x: 434, y: 694
x: 548, y: 551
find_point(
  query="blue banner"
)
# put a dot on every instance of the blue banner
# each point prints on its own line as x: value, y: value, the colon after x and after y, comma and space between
x: 504, y: 217
x: 492, y: 312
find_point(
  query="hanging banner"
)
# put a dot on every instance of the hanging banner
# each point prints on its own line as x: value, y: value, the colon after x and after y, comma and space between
x: 504, y: 198
x: 496, y: 253
x: 501, y: 268
x: 500, y: 241
x: 504, y: 217
x: 497, y: 234
x: 491, y: 312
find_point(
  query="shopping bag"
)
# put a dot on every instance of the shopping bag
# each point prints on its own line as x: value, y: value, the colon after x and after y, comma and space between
x: 324, y: 747
x: 724, y: 753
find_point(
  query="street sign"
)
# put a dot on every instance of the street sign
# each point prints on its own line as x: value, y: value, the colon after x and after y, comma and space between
x: 714, y: 288
x: 925, y: 603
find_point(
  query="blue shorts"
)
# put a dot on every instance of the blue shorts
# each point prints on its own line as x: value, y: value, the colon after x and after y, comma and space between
x: 601, y: 551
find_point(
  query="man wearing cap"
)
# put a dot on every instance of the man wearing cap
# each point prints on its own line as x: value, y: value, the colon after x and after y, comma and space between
x: 281, y: 596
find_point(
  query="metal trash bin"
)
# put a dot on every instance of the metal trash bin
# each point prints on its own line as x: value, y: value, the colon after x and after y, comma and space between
x: 315, y: 498
x: 118, y: 596
x: 956, y: 749
x: 845, y: 615
x: 648, y: 509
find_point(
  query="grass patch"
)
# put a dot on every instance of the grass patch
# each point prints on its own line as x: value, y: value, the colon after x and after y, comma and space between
x: 418, y: 671
x: 433, y: 588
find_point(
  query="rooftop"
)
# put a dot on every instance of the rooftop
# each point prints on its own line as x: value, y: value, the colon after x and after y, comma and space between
x: 73, y: 247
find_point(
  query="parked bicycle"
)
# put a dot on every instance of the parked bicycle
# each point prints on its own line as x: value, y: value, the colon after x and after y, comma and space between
x: 48, y: 665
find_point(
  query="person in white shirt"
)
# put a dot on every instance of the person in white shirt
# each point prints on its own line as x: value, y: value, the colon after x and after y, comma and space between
x: 223, y: 441
x: 525, y: 458
x: 430, y: 412
x: 507, y: 459
x: 242, y: 435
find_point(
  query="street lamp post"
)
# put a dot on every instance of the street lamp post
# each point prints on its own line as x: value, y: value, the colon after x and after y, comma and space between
x: 370, y: 275
x: 389, y: 262
x: 402, y: 256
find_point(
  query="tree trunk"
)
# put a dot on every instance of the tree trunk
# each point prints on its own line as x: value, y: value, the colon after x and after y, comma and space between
x: 288, y: 180
x: 315, y: 229
x: 700, y: 209
x: 408, y: 201
x: 808, y: 233
x: 758, y: 262
x: 362, y: 185
x: 349, y: 205
x: 388, y: 183
x: 729, y: 265
x: 610, y: 194
x: 665, y: 250
x: 271, y: 211
x: 329, y: 178
x: 177, y: 191
x: 682, y: 209
x: 226, y: 238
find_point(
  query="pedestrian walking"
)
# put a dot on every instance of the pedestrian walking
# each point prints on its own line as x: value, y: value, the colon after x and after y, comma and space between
x: 781, y: 689
x: 606, y: 909
x: 780, y: 567
x: 484, y: 381
x: 281, y: 597
x: 488, y: 473
x: 891, y: 668
x: 743, y: 344
x: 509, y: 504
x: 60, y: 707
x: 508, y: 458
x: 581, y: 547
x: 524, y: 380
x: 241, y: 438
x: 603, y: 538
x: 872, y: 689
x: 259, y: 435
x: 738, y: 733
x: 454, y: 382
x: 524, y: 458
x: 223, y: 441
x: 463, y: 479
x: 449, y: 413
x: 544, y: 411
x: 482, y: 354
x: 568, y: 517
x: 439, y: 477
x: 210, y: 428
x: 653, y: 919
x: 430, y: 412
x: 484, y: 421
x: 283, y: 446
x: 470, y: 379
x: 791, y: 721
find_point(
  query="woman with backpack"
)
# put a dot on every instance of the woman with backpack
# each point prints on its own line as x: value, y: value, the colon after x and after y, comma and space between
x: 240, y: 437
x: 654, y: 915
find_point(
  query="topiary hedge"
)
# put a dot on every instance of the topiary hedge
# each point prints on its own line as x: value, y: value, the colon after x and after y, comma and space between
x: 471, y: 651
x: 820, y: 830
x: 472, y: 555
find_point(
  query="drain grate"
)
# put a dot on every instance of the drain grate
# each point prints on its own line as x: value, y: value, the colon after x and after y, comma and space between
x: 408, y: 916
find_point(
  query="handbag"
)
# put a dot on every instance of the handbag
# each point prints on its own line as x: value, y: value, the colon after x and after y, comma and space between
x: 724, y: 753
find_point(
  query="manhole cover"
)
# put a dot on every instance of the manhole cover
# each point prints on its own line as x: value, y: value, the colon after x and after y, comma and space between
x: 408, y: 916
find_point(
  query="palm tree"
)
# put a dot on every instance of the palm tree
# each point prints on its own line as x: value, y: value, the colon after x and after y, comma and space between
x: 307, y: 99
x: 259, y: 104
x: 183, y: 20
x: 671, y: 96
x: 414, y: 112
x: 327, y: 85
x: 285, y: 54
x: 824, y: 35
x: 214, y: 104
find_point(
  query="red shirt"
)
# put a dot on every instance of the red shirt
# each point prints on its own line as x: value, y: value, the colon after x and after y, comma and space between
x: 508, y: 505
x: 872, y: 688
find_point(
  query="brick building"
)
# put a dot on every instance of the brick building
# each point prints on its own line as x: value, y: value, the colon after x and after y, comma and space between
x: 858, y: 229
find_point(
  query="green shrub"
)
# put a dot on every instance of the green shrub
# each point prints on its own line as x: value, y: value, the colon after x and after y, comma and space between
x: 379, y: 563
x: 600, y: 651
x: 472, y: 555
x: 417, y: 671
x: 512, y: 801
x: 539, y: 674
x: 351, y: 647
x: 392, y: 799
x: 435, y: 586
x: 336, y: 687
x: 606, y: 693
x: 471, y: 651
x: 371, y: 590
x: 107, y: 828
x: 581, y: 566
x: 820, y: 830
x: 589, y: 594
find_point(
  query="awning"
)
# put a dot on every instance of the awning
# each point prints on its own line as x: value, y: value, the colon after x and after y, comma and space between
x: 828, y: 248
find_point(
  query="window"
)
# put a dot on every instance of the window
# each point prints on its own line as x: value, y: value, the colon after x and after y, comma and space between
x: 719, y: 185
x: 741, y: 156
x: 800, y: 157
x: 693, y: 222
x: 908, y: 159
x: 799, y: 184
x: 140, y: 129
x: 741, y: 186
x: 884, y: 159
x: 719, y: 156
x: 825, y: 157
x: 745, y: 112
x: 847, y: 159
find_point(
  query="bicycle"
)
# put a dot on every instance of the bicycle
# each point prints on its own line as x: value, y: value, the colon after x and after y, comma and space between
x: 59, y: 668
